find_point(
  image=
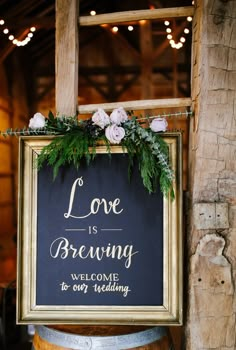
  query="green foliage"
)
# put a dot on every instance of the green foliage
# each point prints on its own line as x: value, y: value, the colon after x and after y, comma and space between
x: 76, y: 141
x: 70, y: 148
x: 151, y: 152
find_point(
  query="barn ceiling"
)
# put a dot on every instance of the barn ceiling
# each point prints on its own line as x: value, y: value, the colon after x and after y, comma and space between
x: 38, y: 56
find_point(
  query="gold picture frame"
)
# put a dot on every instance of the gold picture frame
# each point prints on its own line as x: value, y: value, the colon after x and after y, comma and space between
x: 29, y: 311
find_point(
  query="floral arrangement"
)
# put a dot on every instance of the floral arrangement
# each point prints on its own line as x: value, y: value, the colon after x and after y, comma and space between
x: 77, y: 140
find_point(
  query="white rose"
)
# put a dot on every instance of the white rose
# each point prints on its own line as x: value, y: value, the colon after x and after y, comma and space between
x: 158, y: 124
x: 100, y: 118
x: 118, y: 116
x: 37, y: 122
x: 114, y: 133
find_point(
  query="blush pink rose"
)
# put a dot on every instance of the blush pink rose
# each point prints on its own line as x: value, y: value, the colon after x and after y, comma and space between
x: 114, y: 133
x: 159, y: 124
x: 118, y: 116
x: 37, y: 121
x: 100, y: 118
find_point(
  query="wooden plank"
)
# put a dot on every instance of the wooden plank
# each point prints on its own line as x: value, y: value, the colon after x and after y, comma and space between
x: 120, y: 39
x: 138, y: 15
x: 211, y: 286
x: 175, y: 66
x: 6, y: 141
x: 67, y: 53
x: 136, y: 105
x: 146, y: 63
x: 6, y: 174
x: 6, y: 204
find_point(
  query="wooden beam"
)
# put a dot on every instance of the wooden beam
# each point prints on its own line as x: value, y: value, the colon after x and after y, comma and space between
x: 146, y: 63
x: 123, y: 41
x: 38, y: 22
x: 127, y: 85
x: 6, y: 174
x: 185, y: 92
x: 20, y: 8
x: 67, y: 53
x: 136, y: 105
x: 6, y: 204
x: 175, y: 66
x: 47, y: 89
x: 138, y: 15
x: 95, y: 85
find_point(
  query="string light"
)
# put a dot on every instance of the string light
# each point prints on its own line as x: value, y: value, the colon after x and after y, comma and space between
x: 130, y: 28
x: 15, y: 41
x: 179, y: 44
x: 92, y: 13
x: 115, y: 29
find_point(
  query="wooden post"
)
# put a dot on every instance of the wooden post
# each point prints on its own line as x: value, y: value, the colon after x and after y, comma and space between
x: 212, y: 232
x: 175, y: 66
x: 146, y: 68
x: 67, y: 53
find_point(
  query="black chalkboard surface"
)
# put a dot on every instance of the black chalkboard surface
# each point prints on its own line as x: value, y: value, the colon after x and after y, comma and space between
x: 99, y: 236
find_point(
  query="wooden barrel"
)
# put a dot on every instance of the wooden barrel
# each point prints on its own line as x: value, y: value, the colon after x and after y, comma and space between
x: 101, y: 338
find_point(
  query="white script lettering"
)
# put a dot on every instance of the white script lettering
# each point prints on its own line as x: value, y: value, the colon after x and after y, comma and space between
x: 61, y: 248
x: 95, y: 205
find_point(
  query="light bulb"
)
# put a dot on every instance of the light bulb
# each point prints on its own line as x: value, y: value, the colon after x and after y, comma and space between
x: 11, y: 37
x: 6, y: 31
x: 189, y: 19
x: 166, y: 23
x: 169, y: 36
x: 142, y: 21
x: 186, y: 30
x: 92, y: 13
x: 115, y: 29
x: 32, y: 29
x: 168, y: 30
x: 182, y: 39
x: 130, y: 28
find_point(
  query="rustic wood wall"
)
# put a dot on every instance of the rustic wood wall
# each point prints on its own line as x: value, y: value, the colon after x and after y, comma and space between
x: 13, y: 113
x: 7, y: 219
x: 212, y: 231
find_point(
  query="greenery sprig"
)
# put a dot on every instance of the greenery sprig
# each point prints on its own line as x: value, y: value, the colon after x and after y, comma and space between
x: 76, y: 140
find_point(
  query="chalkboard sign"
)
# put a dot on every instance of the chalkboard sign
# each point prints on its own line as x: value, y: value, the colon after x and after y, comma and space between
x: 94, y: 245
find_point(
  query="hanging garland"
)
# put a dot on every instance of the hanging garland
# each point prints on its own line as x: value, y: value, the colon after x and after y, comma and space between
x: 77, y: 140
